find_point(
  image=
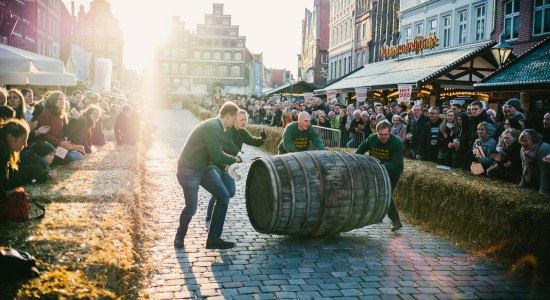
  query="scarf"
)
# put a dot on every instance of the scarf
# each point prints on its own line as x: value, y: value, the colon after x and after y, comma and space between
x: 528, y: 157
x: 396, y: 129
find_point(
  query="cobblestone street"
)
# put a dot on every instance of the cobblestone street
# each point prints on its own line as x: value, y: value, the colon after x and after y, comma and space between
x: 369, y: 263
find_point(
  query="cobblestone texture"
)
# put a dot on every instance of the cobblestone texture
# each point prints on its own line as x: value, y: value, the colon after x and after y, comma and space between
x: 369, y: 263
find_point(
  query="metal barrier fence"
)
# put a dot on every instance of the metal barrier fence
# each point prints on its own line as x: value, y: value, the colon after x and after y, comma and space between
x: 331, y: 137
x: 356, y: 139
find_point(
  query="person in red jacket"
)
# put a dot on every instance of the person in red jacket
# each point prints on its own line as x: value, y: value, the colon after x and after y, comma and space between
x: 54, y: 117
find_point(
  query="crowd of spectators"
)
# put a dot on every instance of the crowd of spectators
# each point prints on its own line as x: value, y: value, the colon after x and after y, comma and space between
x: 40, y: 132
x: 507, y: 145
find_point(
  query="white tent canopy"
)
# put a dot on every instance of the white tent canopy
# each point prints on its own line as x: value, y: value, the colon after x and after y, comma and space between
x: 20, y: 67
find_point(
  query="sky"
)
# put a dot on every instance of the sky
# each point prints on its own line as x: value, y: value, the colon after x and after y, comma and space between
x: 271, y: 27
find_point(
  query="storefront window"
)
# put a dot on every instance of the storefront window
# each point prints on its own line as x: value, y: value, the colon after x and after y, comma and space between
x: 541, y: 17
x: 480, y: 23
x: 462, y: 28
x: 511, y: 19
x: 446, y: 31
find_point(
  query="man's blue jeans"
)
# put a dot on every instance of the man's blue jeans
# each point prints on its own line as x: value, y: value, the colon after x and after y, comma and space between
x: 190, y: 180
x: 229, y: 183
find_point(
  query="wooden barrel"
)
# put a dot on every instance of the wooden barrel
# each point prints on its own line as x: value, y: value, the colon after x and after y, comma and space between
x: 316, y: 193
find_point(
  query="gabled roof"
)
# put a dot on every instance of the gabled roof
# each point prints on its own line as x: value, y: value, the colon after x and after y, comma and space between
x: 531, y: 71
x: 410, y: 70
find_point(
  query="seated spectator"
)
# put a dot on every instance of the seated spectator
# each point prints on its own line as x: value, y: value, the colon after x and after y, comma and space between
x: 127, y: 126
x: 535, y: 173
x: 13, y: 138
x: 53, y: 116
x: 507, y: 160
x: 17, y: 102
x: 109, y: 121
x: 399, y: 129
x: 35, y: 165
x: 485, y: 141
x: 6, y: 113
x: 79, y: 131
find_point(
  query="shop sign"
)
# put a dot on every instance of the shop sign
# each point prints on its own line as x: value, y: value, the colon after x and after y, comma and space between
x: 331, y: 95
x: 419, y: 43
x: 361, y: 94
x: 405, y: 91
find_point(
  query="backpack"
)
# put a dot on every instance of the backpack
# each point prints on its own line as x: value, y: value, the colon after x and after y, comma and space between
x: 15, y: 264
x: 16, y: 207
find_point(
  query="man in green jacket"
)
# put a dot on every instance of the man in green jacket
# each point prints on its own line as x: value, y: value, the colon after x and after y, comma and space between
x: 298, y: 136
x: 202, y: 151
x: 389, y: 150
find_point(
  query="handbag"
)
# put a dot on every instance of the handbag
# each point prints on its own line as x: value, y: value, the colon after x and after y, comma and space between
x: 477, y: 168
x: 17, y: 205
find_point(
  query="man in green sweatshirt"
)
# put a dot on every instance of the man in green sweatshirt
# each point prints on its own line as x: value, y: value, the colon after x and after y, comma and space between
x: 202, y: 151
x: 389, y: 150
x: 298, y: 135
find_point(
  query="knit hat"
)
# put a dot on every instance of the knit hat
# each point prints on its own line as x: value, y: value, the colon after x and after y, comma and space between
x: 492, y: 111
x: 42, y: 148
x: 515, y: 103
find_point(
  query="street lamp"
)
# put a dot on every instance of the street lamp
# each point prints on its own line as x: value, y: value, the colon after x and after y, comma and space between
x: 501, y: 51
x: 291, y: 82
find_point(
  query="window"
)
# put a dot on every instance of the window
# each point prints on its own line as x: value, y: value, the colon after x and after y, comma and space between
x: 198, y: 69
x: 197, y: 54
x: 175, y: 52
x: 217, y: 55
x: 446, y: 31
x: 541, y: 17
x: 359, y: 62
x: 358, y: 34
x: 227, y: 56
x: 345, y: 66
x: 364, y: 30
x: 364, y: 58
x: 175, y: 68
x: 419, y: 29
x: 462, y: 30
x: 408, y: 34
x: 165, y: 68
x: 206, y: 55
x: 511, y: 19
x: 177, y: 82
x: 223, y: 71
x: 183, y: 52
x: 235, y: 71
x: 238, y: 56
x: 209, y: 70
x: 183, y: 69
x: 432, y: 26
x: 480, y: 23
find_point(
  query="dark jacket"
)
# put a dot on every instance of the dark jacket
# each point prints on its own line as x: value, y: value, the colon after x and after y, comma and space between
x: 79, y: 132
x: 483, y: 117
x: 428, y: 144
x: 32, y: 169
x: 127, y: 129
x: 415, y: 128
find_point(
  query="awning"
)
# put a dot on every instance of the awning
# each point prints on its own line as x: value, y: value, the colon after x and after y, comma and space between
x: 297, y: 88
x: 20, y: 67
x: 531, y: 71
x: 452, y: 66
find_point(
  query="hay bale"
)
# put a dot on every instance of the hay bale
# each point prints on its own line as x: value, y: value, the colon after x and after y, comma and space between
x: 86, y: 185
x: 274, y: 136
x: 109, y: 156
x: 485, y: 215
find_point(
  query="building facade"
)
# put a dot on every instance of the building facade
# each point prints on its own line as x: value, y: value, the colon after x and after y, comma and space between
x: 385, y: 26
x: 99, y: 33
x: 524, y: 32
x: 341, y: 27
x: 212, y: 61
x: 454, y: 23
x: 313, y: 59
x: 17, y: 25
x: 363, y: 32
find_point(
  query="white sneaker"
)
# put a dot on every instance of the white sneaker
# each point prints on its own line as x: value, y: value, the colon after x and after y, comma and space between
x: 207, y: 225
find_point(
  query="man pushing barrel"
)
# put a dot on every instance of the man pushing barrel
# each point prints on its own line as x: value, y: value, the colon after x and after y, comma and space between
x: 389, y: 150
x: 299, y: 134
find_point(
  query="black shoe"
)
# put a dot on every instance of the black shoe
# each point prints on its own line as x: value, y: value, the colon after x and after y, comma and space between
x: 396, y: 226
x: 178, y: 240
x: 214, y: 242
